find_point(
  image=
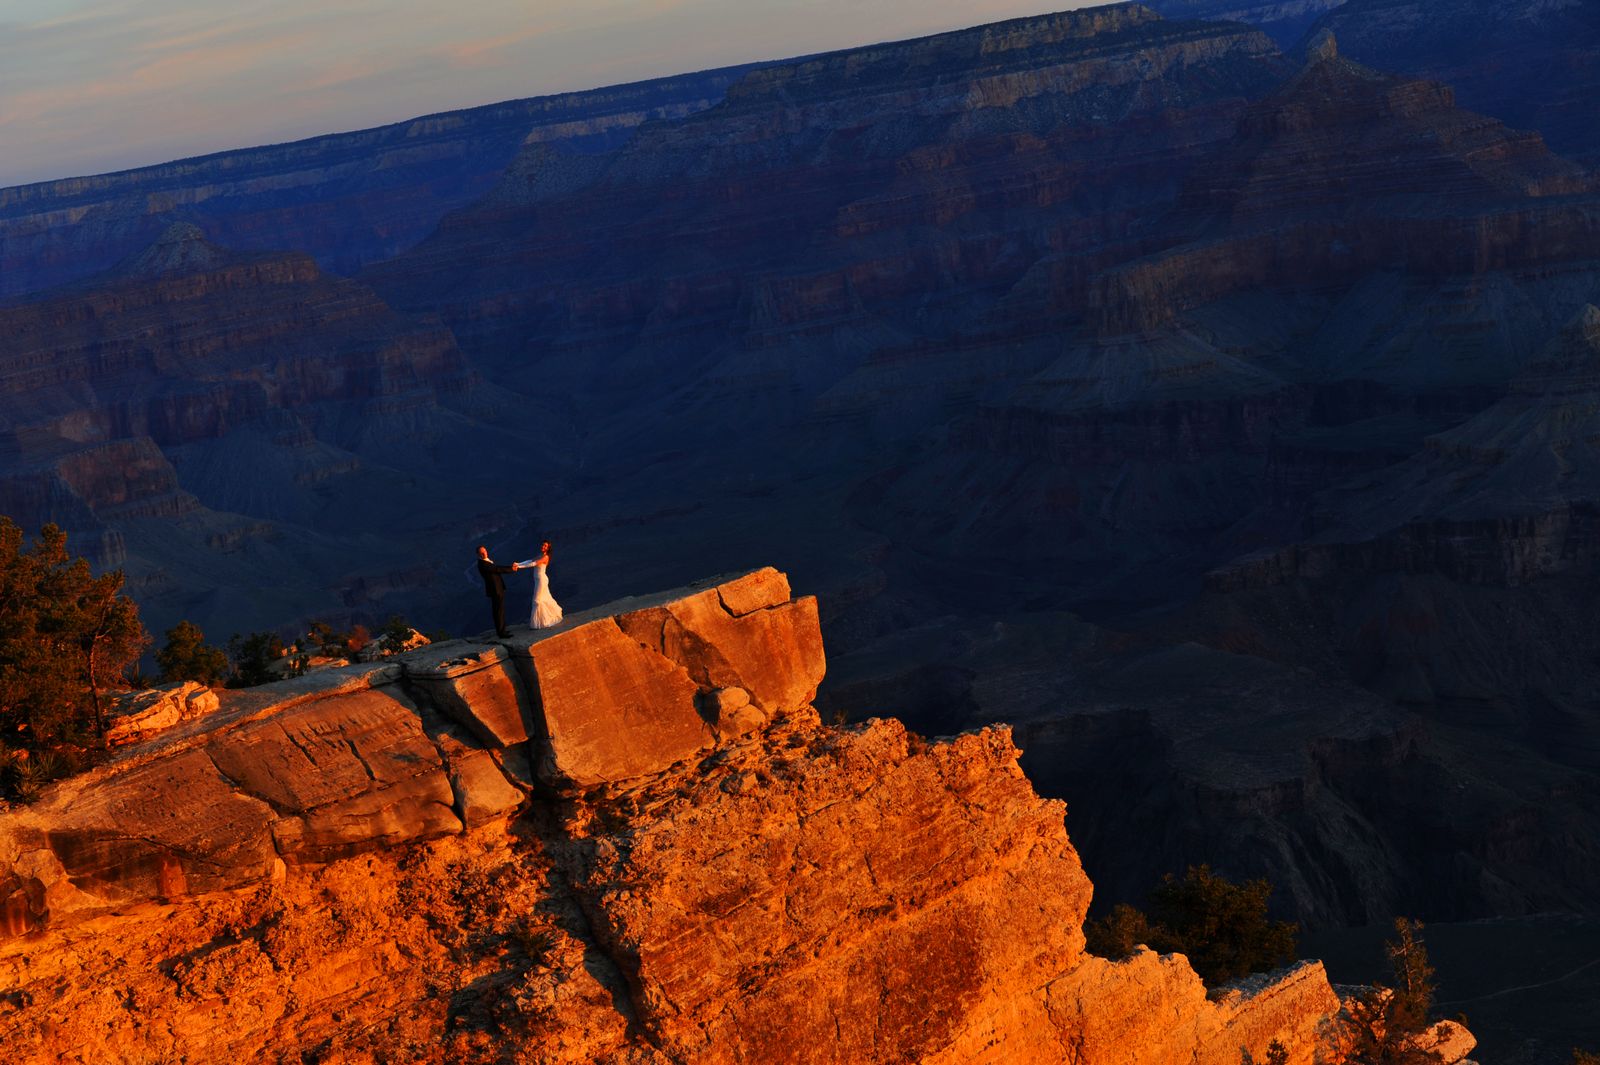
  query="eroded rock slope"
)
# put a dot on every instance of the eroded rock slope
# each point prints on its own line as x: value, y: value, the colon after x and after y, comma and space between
x: 629, y: 839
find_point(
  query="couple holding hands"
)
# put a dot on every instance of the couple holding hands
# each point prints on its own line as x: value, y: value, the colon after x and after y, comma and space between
x: 546, y: 611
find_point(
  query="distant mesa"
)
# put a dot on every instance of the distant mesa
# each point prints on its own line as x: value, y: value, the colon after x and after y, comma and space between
x: 182, y: 248
x: 346, y: 199
x: 1323, y: 47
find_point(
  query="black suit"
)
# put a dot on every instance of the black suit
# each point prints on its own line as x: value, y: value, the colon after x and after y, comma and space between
x: 495, y: 588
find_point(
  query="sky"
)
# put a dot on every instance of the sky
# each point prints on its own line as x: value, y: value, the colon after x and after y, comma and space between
x: 88, y: 86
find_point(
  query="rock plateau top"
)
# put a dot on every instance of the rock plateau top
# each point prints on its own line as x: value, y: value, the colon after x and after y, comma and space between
x: 626, y: 839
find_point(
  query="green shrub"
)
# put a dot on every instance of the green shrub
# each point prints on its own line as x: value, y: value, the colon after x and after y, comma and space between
x: 187, y: 656
x: 395, y: 634
x: 1277, y: 1054
x: 1413, y: 976
x: 253, y: 657
x: 23, y: 774
x: 324, y: 640
x: 1121, y: 932
x: 1222, y: 927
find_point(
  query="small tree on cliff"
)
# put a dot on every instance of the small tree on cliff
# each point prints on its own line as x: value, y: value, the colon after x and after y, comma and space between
x: 253, y: 656
x: 396, y: 634
x: 65, y: 636
x: 1413, y: 976
x: 1277, y: 1054
x: 187, y: 656
x: 1380, y: 1024
x: 325, y: 640
x: 1222, y: 927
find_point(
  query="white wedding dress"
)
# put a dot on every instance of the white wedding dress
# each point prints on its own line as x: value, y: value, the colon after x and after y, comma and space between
x: 546, y: 611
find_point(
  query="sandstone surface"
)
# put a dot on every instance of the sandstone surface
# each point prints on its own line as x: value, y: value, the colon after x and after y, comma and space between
x: 639, y: 685
x: 291, y: 880
x: 133, y: 716
x: 476, y: 686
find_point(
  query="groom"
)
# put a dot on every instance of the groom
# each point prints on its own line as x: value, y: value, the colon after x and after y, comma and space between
x: 495, y: 588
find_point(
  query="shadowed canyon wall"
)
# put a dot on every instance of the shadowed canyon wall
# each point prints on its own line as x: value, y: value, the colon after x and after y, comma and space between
x: 346, y: 199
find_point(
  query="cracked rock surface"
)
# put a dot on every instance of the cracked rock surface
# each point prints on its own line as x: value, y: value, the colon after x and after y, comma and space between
x: 349, y: 867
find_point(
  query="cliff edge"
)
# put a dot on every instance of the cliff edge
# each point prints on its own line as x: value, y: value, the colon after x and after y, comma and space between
x: 629, y: 839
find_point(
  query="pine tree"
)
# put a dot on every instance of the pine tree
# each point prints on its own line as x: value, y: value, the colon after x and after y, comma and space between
x: 1222, y: 927
x: 395, y: 634
x: 65, y: 636
x: 187, y: 656
x: 253, y: 657
x: 1413, y: 976
x: 1380, y: 1025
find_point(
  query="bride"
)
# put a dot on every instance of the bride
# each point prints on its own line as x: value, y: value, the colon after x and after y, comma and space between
x: 546, y: 611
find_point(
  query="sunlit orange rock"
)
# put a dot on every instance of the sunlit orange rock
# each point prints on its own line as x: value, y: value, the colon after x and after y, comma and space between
x: 341, y: 866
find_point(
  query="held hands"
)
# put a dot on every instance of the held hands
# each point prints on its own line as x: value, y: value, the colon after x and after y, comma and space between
x: 515, y: 566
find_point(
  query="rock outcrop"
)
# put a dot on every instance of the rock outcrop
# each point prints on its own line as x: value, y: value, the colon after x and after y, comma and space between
x: 1531, y: 63
x: 330, y: 867
x: 140, y: 714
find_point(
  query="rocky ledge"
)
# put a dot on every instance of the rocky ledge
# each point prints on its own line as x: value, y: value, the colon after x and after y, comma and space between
x: 627, y: 839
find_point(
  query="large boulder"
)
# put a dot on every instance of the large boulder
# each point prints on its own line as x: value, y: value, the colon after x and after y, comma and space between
x: 742, y: 633
x: 306, y: 770
x: 641, y: 684
x: 135, y: 715
x: 166, y: 829
x: 608, y: 707
x: 348, y: 773
x: 476, y: 686
x: 314, y: 768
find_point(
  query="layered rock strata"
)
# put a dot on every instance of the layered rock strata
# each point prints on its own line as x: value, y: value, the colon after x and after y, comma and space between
x: 329, y: 867
x: 1532, y: 63
x: 762, y: 247
x: 346, y: 198
x: 1441, y: 191
x: 197, y: 403
x: 1505, y: 498
x: 1285, y: 20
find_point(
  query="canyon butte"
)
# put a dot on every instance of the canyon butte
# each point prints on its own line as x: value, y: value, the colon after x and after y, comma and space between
x: 629, y: 839
x: 1200, y: 389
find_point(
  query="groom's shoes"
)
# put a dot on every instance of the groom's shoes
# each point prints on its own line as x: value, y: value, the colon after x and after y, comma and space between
x: 503, y: 635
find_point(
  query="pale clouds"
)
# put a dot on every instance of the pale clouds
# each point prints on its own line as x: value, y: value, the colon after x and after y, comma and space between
x: 94, y: 85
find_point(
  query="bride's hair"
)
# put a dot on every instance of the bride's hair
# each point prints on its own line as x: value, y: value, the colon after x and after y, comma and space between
x: 544, y: 548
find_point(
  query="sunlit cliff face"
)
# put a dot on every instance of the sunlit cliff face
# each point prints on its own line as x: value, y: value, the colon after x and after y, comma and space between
x: 626, y: 839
